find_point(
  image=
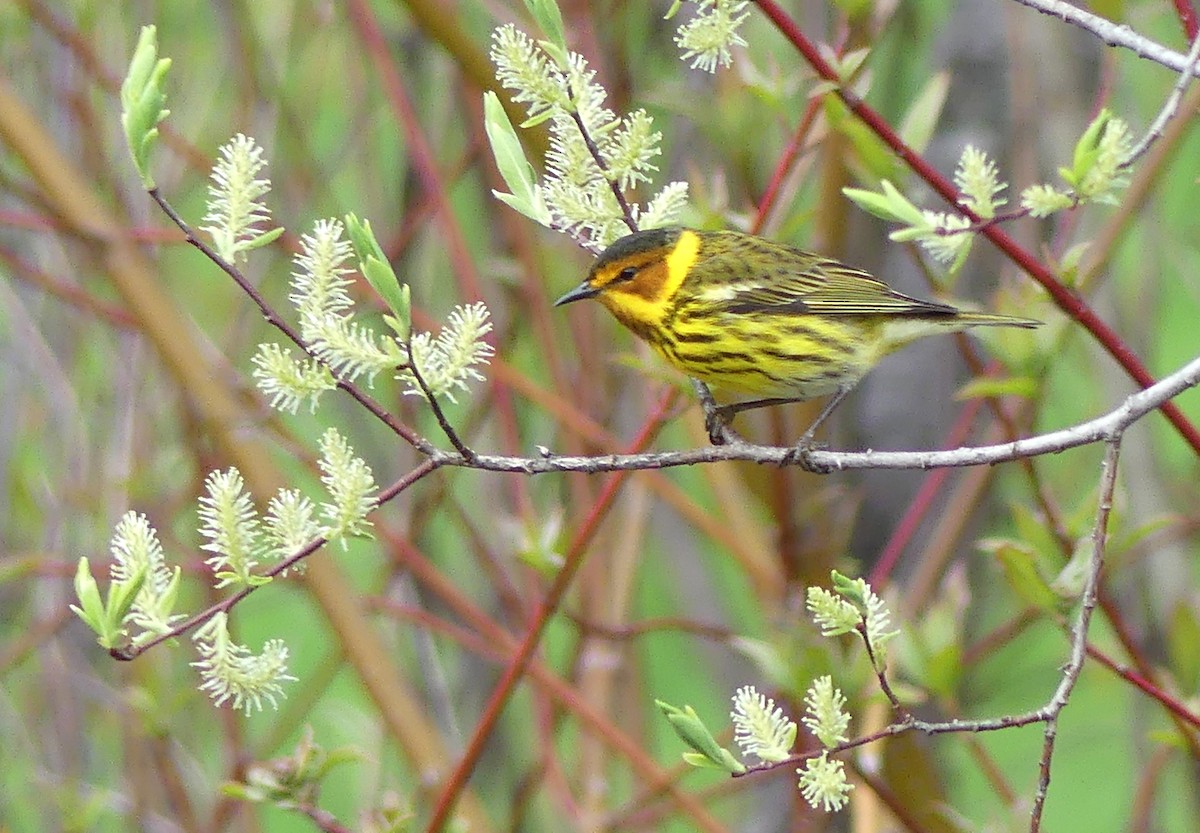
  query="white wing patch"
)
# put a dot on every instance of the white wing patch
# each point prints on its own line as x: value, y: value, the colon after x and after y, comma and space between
x: 726, y: 292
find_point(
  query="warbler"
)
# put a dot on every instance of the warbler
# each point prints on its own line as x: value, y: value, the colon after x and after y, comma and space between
x: 748, y: 315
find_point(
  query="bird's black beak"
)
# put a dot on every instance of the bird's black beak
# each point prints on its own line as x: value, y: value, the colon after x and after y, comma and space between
x: 584, y: 290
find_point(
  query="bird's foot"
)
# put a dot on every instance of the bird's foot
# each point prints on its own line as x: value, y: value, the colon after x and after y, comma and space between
x: 716, y: 423
x: 801, y: 454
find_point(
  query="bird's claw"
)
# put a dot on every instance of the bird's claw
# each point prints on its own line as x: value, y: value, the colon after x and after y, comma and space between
x: 801, y: 454
x: 716, y: 423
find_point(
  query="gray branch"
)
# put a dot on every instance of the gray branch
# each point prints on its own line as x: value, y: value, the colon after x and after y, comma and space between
x: 1102, y: 429
x: 1114, y: 34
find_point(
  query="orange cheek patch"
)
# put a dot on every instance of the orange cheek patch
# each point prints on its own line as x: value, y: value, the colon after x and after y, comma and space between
x: 649, y: 283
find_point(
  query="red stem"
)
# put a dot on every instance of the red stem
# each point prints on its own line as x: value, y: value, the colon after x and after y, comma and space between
x: 922, y: 502
x: 457, y: 781
x: 1187, y: 18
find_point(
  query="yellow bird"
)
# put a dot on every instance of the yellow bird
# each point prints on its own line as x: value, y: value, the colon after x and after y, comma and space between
x: 752, y: 316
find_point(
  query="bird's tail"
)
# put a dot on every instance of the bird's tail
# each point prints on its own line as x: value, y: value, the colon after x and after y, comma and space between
x: 901, y: 331
x: 989, y: 319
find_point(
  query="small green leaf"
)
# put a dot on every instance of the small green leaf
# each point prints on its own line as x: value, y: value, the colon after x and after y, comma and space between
x: 121, y: 596
x: 535, y: 120
x: 143, y: 102
x: 848, y: 65
x: 401, y: 328
x: 877, y: 159
x: 889, y: 204
x: 922, y: 118
x: 91, y: 609
x: 850, y: 589
x: 105, y: 618
x: 510, y: 158
x: 1024, y: 577
x: 166, y: 600
x: 1022, y: 386
x: 1130, y: 538
x: 264, y: 239
x: 549, y: 19
x: 374, y: 265
x: 937, y: 646
x: 1032, y: 529
x: 821, y: 88
x: 1088, y: 147
x: 699, y: 761
x: 960, y: 258
x: 1068, y: 264
x: 692, y: 731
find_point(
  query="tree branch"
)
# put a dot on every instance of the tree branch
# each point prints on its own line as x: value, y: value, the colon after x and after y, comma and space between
x: 1101, y: 429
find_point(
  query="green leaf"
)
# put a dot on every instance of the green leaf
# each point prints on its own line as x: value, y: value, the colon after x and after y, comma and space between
x: 1022, y: 386
x: 1032, y: 530
x: 848, y: 65
x: 264, y: 239
x: 91, y: 609
x: 1024, y: 577
x: 692, y: 731
x: 121, y: 596
x: 889, y: 204
x: 143, y: 102
x: 1087, y: 151
x: 1119, y: 546
x: 166, y: 600
x: 850, y: 589
x: 1088, y: 146
x: 961, y: 257
x: 699, y: 761
x: 1069, y: 582
x: 1068, y: 264
x: 105, y: 618
x: 922, y: 118
x: 549, y: 19
x: 400, y: 328
x: 944, y: 669
x: 514, y: 167
x: 374, y: 265
x: 878, y: 161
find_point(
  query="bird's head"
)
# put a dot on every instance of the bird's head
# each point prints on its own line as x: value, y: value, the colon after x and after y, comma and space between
x: 636, y: 277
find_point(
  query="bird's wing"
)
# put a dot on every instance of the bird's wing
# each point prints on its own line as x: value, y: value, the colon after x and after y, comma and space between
x: 769, y: 277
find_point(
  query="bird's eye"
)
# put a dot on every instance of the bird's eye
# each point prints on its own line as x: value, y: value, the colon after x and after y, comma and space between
x: 626, y: 274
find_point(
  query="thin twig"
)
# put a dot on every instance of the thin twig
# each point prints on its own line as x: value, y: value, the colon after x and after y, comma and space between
x: 1108, y: 481
x: 435, y: 406
x: 598, y: 158
x: 1170, y: 106
x: 1113, y: 34
x: 127, y: 653
x: 1047, y: 714
x: 276, y: 320
x: 880, y: 669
